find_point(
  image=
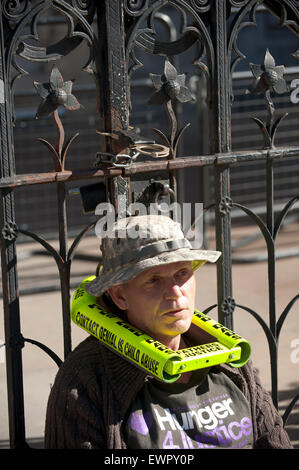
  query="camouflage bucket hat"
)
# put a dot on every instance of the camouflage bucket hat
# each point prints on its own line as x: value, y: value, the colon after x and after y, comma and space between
x: 134, y: 244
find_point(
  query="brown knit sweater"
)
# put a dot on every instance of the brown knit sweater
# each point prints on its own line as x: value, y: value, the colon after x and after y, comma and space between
x: 94, y: 389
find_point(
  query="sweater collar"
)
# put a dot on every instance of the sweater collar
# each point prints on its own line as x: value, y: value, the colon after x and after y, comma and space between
x: 125, y: 378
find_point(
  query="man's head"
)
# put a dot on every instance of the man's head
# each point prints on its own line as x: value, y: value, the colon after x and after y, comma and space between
x: 148, y: 267
x: 159, y: 300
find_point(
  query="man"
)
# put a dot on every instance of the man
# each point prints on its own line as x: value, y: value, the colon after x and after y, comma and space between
x: 100, y: 400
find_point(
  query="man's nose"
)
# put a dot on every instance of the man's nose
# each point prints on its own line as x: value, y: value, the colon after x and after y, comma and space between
x: 172, y: 290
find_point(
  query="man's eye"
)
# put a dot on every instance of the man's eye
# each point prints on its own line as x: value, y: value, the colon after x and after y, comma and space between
x: 152, y: 280
x: 183, y: 273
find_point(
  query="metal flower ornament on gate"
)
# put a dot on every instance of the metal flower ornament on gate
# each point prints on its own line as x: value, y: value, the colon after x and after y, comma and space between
x: 56, y: 93
x: 170, y: 86
x: 268, y: 77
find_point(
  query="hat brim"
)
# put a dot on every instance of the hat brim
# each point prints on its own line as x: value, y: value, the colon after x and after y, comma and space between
x: 126, y: 273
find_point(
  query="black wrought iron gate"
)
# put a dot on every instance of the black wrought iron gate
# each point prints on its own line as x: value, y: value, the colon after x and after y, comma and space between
x: 129, y: 166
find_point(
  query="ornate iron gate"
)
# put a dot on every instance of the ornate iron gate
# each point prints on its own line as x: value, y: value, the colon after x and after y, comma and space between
x: 134, y: 167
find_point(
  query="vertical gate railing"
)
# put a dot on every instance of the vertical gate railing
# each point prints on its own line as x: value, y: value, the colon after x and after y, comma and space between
x: 123, y: 29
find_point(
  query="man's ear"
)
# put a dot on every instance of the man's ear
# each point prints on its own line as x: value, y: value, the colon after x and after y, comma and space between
x: 117, y: 294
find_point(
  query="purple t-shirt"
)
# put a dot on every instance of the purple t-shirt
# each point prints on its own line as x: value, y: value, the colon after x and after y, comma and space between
x: 208, y: 412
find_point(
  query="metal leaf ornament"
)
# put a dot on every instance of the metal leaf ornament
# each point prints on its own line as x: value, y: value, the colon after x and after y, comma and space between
x: 55, y: 93
x: 268, y: 78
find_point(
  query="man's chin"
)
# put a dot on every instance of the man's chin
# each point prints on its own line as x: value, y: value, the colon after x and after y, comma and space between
x: 178, y: 327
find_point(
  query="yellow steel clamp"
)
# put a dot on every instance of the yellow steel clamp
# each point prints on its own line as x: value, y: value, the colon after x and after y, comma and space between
x: 149, y: 354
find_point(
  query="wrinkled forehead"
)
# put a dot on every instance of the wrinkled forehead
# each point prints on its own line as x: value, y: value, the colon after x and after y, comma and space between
x: 165, y: 269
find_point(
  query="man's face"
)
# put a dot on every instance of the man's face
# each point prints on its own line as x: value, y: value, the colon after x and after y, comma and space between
x: 160, y: 300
